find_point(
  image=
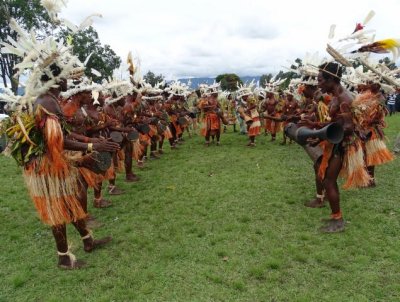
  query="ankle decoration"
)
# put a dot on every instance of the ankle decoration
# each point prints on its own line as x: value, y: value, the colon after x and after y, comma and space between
x: 71, y: 256
x: 337, y: 215
x: 88, y: 235
x: 321, y: 196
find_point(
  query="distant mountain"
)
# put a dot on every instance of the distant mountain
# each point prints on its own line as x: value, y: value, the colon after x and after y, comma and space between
x: 195, y: 82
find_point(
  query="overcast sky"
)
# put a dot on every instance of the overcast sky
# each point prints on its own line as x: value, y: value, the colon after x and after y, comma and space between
x: 181, y: 38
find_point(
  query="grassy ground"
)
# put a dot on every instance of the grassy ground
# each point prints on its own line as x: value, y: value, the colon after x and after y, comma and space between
x: 213, y: 224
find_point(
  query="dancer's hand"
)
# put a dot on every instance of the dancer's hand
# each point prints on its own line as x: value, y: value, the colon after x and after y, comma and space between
x: 106, y: 146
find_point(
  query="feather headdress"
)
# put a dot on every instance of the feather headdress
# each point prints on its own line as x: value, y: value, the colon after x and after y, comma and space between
x: 84, y: 85
x: 273, y: 85
x: 245, y: 89
x: 117, y: 89
x: 177, y: 88
x: 41, y: 58
x: 10, y: 99
x: 151, y: 93
x: 213, y: 88
x: 53, y: 8
x: 309, y: 66
x: 382, y: 46
x: 384, y: 75
x: 260, y: 92
x: 360, y: 34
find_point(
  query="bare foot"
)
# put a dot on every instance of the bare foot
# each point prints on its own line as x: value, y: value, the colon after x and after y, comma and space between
x: 101, y: 203
x: 113, y: 190
x: 68, y: 262
x: 91, y: 244
x: 131, y: 178
x: 315, y: 203
x: 92, y: 223
x: 140, y: 164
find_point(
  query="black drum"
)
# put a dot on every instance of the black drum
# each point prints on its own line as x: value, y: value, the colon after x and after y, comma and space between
x: 143, y: 128
x: 116, y: 137
x: 153, y: 121
x: 182, y: 121
x: 132, y: 135
x: 98, y: 162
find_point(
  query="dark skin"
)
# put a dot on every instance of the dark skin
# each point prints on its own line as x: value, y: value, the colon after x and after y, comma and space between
x: 311, y: 94
x: 100, y: 125
x: 170, y: 107
x: 49, y: 102
x: 212, y: 105
x: 154, y: 112
x: 340, y: 112
x: 91, y: 132
x: 116, y: 117
x: 289, y: 111
x: 269, y: 111
x: 248, y: 110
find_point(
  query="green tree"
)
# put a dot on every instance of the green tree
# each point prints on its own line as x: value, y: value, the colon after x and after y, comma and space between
x: 264, y: 79
x: 103, y: 58
x: 30, y: 15
x: 152, y: 79
x: 228, y: 81
x: 287, y: 76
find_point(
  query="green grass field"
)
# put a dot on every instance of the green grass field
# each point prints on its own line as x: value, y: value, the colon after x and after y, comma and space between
x: 213, y: 224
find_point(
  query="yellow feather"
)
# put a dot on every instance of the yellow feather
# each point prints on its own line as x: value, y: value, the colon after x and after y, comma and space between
x: 131, y: 67
x: 389, y: 43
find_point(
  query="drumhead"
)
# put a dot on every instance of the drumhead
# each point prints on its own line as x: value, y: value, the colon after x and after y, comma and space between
x: 182, y: 121
x: 143, y: 128
x: 133, y: 135
x: 116, y: 137
x: 101, y: 162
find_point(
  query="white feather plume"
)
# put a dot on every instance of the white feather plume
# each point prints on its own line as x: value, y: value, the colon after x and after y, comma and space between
x: 332, y: 31
x: 53, y: 8
x: 370, y: 15
x: 88, y: 21
x: 95, y: 72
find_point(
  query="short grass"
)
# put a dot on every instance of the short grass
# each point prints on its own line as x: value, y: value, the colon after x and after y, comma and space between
x: 213, y: 224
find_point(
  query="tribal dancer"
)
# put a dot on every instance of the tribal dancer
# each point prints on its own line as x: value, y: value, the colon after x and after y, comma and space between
x: 211, y: 125
x: 370, y: 112
x: 272, y: 124
x: 289, y: 110
x: 249, y: 113
x: 347, y: 155
x: 52, y: 178
x: 88, y: 125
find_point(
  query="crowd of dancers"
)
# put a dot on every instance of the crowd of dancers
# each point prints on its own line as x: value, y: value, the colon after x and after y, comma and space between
x: 70, y: 134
